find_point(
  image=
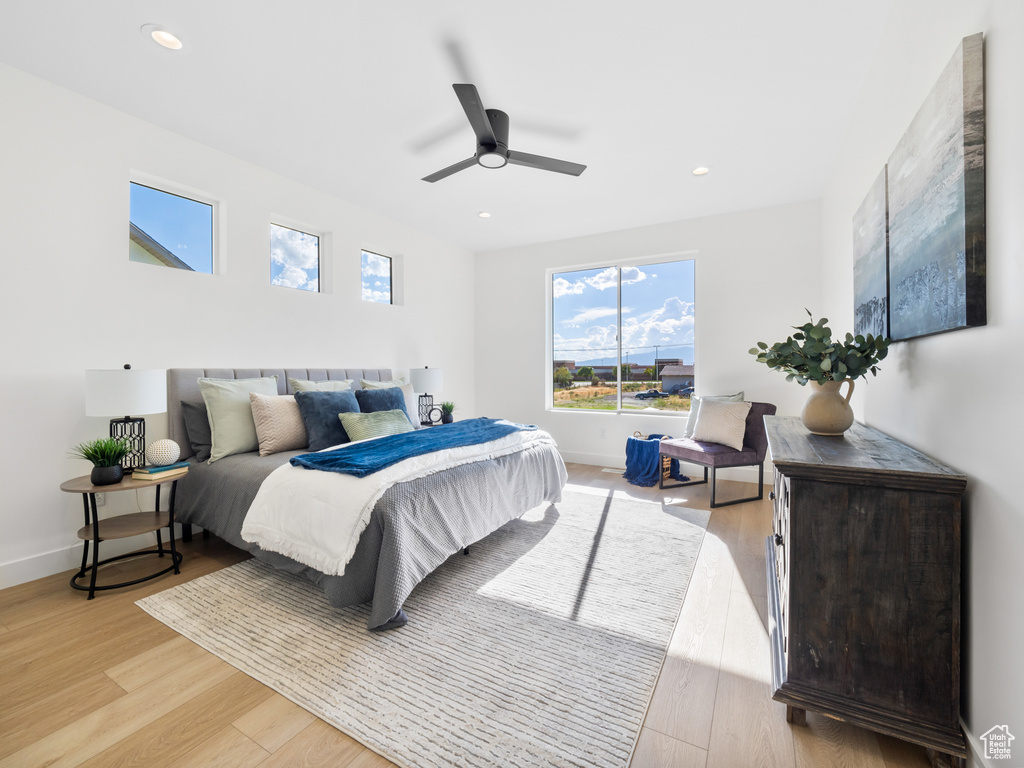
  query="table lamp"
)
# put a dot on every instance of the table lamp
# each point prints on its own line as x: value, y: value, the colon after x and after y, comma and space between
x: 424, y: 380
x: 111, y: 392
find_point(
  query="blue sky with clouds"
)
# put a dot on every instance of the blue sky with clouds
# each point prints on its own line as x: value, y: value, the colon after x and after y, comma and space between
x: 376, y: 278
x: 182, y: 226
x: 294, y: 258
x: 657, y: 309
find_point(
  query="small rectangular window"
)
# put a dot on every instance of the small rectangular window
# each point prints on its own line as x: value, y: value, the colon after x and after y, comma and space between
x: 376, y: 278
x: 170, y: 230
x: 294, y: 258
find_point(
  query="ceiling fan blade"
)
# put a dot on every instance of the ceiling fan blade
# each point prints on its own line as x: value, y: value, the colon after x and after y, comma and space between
x: 445, y: 172
x: 476, y: 113
x: 545, y: 163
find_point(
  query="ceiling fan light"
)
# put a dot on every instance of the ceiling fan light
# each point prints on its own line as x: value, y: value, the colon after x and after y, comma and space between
x: 492, y: 159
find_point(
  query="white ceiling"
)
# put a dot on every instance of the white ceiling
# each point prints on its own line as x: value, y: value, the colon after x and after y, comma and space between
x: 355, y: 98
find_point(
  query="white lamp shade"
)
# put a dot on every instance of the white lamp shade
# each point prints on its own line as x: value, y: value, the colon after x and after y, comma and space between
x: 122, y: 392
x: 426, y: 380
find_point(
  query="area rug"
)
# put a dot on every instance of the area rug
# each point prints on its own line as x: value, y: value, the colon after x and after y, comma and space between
x: 539, y: 648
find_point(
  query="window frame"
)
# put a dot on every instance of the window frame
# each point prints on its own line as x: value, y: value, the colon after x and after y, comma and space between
x: 176, y: 189
x: 284, y: 223
x: 618, y: 265
x: 391, y: 276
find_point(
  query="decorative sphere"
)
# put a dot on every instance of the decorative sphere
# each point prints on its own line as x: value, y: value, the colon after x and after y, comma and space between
x: 162, y: 452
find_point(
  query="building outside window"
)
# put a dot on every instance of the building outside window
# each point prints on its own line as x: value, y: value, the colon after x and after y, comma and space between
x: 621, y: 331
x: 294, y: 258
x: 377, y: 274
x: 170, y: 230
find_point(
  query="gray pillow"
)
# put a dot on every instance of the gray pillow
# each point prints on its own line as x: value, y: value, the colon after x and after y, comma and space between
x: 227, y: 404
x: 691, y: 423
x: 320, y: 412
x: 197, y: 428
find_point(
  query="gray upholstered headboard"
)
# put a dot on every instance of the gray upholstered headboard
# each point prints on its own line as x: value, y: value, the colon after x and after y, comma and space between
x: 183, y: 384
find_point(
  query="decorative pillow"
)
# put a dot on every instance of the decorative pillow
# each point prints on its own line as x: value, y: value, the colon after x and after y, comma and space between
x: 411, y: 401
x: 722, y: 422
x: 362, y: 426
x: 232, y: 428
x: 320, y: 415
x: 304, y: 385
x: 695, y: 409
x: 197, y: 428
x: 279, y: 425
x: 390, y: 399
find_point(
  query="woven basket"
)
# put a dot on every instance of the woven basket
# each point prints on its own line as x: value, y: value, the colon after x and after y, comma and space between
x: 666, y: 461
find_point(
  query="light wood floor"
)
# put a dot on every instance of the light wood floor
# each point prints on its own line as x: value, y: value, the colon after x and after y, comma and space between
x: 99, y: 683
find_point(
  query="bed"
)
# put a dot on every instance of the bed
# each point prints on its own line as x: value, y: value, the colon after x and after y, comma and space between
x: 413, y: 527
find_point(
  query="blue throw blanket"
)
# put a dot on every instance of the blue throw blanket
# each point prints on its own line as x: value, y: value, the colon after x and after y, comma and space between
x: 643, y: 462
x: 364, y: 459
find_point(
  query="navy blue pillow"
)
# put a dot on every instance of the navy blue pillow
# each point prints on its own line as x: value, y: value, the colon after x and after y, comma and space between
x: 388, y: 399
x: 320, y: 415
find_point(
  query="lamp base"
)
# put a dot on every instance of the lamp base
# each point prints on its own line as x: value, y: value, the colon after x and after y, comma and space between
x: 425, y: 404
x: 133, y: 432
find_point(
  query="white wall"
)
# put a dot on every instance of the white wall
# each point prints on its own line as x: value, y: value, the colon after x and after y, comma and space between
x: 755, y: 272
x: 71, y: 300
x: 955, y: 396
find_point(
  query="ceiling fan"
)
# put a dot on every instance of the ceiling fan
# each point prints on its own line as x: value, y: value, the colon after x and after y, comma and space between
x: 491, y: 129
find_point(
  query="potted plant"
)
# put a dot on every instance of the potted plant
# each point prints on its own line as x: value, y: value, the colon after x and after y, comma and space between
x: 813, y: 355
x: 105, y: 453
x: 447, y: 409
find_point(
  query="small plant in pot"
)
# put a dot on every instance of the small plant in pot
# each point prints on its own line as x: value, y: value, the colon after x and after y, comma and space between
x: 105, y: 453
x: 447, y: 409
x: 812, y: 355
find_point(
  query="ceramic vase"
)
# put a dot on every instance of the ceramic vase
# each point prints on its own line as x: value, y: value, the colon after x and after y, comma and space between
x: 826, y: 411
x: 106, y: 475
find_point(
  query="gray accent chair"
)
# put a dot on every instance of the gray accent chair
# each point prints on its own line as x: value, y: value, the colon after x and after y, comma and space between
x: 714, y: 456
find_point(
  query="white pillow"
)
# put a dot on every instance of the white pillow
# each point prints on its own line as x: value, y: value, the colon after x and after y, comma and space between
x: 695, y: 409
x: 232, y: 428
x: 279, y: 424
x: 333, y: 385
x: 723, y: 422
x: 411, y: 401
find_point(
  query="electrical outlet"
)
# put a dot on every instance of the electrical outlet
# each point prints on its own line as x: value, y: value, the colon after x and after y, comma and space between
x: 101, y: 499
x: 601, y: 434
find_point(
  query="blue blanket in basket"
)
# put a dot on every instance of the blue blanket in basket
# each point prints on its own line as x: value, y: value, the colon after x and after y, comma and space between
x: 643, y: 462
x: 371, y: 456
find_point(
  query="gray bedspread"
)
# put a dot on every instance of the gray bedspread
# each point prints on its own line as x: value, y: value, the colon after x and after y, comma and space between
x: 415, y: 526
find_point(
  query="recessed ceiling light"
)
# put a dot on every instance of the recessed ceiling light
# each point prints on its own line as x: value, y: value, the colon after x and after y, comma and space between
x: 161, y: 36
x: 484, y: 215
x: 700, y: 171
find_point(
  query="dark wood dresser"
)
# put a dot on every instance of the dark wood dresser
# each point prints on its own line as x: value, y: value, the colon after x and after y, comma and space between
x: 864, y: 584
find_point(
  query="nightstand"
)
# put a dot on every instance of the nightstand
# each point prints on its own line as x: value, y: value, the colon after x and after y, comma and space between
x: 121, y: 527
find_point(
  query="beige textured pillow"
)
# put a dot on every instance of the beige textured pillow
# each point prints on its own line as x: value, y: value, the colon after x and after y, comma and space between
x: 333, y: 385
x: 279, y: 424
x: 722, y: 422
x: 695, y: 402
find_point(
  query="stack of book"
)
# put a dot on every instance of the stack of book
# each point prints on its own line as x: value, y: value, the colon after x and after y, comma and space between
x: 165, y: 472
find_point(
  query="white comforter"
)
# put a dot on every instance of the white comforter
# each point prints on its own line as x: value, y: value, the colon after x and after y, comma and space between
x: 317, y: 517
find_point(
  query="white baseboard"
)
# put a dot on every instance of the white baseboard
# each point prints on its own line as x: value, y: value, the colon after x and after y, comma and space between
x: 70, y: 558
x: 614, y: 461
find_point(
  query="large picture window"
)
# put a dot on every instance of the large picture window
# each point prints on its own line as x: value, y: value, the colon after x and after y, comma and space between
x: 622, y: 337
x: 170, y: 230
x: 294, y: 258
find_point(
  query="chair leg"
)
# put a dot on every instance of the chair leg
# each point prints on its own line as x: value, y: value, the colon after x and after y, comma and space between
x: 661, y: 481
x: 760, y: 489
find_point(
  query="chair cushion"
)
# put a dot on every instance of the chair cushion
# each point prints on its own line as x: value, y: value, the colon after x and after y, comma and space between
x: 707, y: 454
